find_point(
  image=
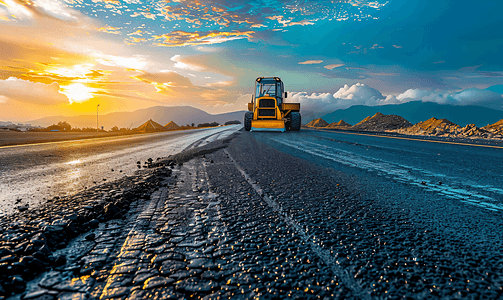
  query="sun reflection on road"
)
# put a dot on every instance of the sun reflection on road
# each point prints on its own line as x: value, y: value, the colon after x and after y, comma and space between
x: 74, y: 162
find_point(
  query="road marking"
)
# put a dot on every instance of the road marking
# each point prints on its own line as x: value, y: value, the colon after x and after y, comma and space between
x: 401, y: 173
x: 419, y: 140
x: 323, y: 254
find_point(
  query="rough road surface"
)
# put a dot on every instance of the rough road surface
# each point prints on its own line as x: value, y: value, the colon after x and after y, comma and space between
x: 237, y: 219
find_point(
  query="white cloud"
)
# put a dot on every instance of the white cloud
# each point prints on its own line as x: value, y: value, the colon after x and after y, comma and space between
x: 54, y: 9
x: 319, y: 104
x: 359, y: 92
x: 208, y: 49
x: 181, y: 65
x: 241, y: 103
x: 477, y: 96
x: 134, y: 62
x: 471, y: 96
x: 27, y: 91
x: 57, y: 10
x: 323, y: 103
x: 13, y: 8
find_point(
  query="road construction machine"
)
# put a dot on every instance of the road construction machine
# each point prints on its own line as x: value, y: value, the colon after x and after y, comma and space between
x: 268, y: 111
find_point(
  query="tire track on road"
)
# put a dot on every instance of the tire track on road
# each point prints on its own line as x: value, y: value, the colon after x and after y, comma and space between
x: 311, y: 240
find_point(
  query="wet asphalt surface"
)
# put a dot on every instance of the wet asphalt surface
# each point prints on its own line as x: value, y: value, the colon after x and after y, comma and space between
x: 31, y: 174
x: 240, y: 219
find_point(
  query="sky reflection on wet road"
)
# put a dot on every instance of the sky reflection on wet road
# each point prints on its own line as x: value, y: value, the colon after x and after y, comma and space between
x: 30, y: 174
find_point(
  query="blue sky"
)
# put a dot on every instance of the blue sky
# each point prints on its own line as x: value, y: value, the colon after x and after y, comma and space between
x: 65, y: 57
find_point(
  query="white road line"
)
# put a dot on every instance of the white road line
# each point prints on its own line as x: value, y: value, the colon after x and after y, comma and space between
x: 398, y: 172
x: 325, y: 255
x: 420, y: 140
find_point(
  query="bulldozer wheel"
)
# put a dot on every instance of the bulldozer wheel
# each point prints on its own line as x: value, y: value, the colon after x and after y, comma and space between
x: 295, y: 121
x: 248, y: 120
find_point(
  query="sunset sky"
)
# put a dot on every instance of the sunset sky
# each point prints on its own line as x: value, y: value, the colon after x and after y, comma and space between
x: 65, y: 57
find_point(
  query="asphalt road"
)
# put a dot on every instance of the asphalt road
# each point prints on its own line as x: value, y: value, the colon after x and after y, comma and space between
x: 296, y: 215
x: 30, y: 174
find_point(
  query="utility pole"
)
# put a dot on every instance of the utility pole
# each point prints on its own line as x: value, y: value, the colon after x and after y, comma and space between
x: 97, y: 128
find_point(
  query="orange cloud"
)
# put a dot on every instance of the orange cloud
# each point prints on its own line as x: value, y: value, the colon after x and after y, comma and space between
x: 110, y: 29
x: 182, y: 38
x: 171, y: 79
x: 310, y: 62
x: 31, y: 92
x: 330, y: 67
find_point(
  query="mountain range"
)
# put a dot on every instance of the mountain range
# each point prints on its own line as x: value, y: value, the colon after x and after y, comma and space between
x: 417, y: 111
x: 161, y: 114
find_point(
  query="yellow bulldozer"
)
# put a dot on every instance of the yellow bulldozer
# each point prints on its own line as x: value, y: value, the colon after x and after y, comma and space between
x: 268, y: 112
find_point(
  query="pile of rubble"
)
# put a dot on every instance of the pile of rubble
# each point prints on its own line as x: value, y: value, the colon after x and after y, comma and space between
x: 431, y: 127
x: 317, y: 123
x: 496, y: 128
x: 446, y: 128
x: 339, y: 125
x: 381, y: 122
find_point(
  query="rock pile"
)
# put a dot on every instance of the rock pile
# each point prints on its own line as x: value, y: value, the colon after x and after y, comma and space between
x: 381, y: 122
x: 317, y: 123
x: 496, y: 128
x: 171, y: 126
x: 431, y: 126
x: 445, y: 128
x: 339, y: 125
x: 150, y: 126
x: 473, y: 131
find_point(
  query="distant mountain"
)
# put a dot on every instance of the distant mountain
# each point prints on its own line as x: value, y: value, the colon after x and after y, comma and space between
x: 161, y: 114
x: 418, y: 111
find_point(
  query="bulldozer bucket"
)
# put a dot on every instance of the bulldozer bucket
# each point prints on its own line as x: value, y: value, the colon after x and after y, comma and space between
x: 268, y: 125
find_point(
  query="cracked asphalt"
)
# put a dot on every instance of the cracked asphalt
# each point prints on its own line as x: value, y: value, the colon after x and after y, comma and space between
x: 239, y: 219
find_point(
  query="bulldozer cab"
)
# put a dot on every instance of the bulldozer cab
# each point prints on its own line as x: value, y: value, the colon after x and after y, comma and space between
x: 270, y: 87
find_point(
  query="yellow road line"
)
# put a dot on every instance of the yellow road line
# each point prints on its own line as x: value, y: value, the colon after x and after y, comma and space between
x: 420, y: 140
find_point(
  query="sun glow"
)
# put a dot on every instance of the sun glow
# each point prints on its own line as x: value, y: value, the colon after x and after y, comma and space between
x: 79, y: 71
x: 77, y: 92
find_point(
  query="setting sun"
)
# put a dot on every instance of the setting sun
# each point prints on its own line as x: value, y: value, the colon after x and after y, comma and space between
x: 77, y: 92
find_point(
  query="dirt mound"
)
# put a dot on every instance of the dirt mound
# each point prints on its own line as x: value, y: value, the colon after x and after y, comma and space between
x: 445, y: 128
x: 339, y: 125
x: 473, y: 131
x: 496, y: 128
x: 171, y: 126
x: 317, y: 123
x: 381, y: 122
x: 150, y: 126
x: 432, y: 126
x: 364, y: 120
